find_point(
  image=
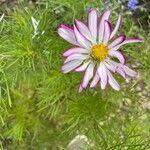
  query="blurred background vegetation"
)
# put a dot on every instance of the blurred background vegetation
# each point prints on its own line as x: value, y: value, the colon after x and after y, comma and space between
x: 41, y: 109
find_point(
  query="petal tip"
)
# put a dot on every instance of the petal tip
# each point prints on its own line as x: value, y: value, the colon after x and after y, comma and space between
x: 92, y: 86
x: 108, y: 11
x: 80, y: 89
x: 92, y: 10
x: 141, y: 40
x: 118, y: 89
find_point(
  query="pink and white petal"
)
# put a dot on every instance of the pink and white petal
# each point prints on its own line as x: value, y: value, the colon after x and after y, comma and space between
x: 115, y: 67
x: 88, y: 75
x: 112, y: 62
x: 118, y: 24
x: 83, y: 29
x: 114, y: 84
x: 117, y: 41
x: 120, y: 71
x: 82, y: 67
x: 67, y: 67
x: 103, y: 75
x: 118, y: 55
x: 81, y: 88
x: 81, y: 39
x: 132, y: 40
x: 76, y: 57
x: 107, y: 32
x: 67, y: 34
x: 127, y: 40
x: 104, y: 17
x: 76, y: 50
x: 115, y: 48
x: 129, y: 71
x: 92, y: 24
x: 95, y: 80
x: 110, y: 66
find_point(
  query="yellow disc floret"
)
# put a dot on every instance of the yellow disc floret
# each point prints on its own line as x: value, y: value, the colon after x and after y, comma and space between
x: 99, y: 51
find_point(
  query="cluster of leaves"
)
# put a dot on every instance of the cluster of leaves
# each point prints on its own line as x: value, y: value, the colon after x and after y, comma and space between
x: 40, y: 108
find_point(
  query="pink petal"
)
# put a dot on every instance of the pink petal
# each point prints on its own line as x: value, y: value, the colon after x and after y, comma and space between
x: 83, y: 29
x: 67, y: 34
x: 128, y: 40
x: 119, y: 21
x: 76, y: 50
x: 120, y: 71
x: 129, y: 71
x: 103, y: 75
x: 107, y: 31
x: 81, y: 39
x: 95, y: 80
x: 76, y: 56
x: 115, y: 64
x: 112, y: 67
x: 88, y: 75
x: 67, y: 67
x: 132, y: 40
x: 117, y: 41
x: 92, y: 23
x: 104, y: 17
x: 118, y: 55
x: 82, y: 67
x: 80, y: 89
x: 114, y: 84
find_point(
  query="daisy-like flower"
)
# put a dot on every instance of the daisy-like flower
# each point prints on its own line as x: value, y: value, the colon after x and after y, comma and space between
x: 96, y: 50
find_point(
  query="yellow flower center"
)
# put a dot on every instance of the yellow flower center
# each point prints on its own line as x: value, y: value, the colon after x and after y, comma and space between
x: 99, y: 52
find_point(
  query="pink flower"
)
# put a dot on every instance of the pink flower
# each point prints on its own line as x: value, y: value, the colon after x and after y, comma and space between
x: 94, y: 51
